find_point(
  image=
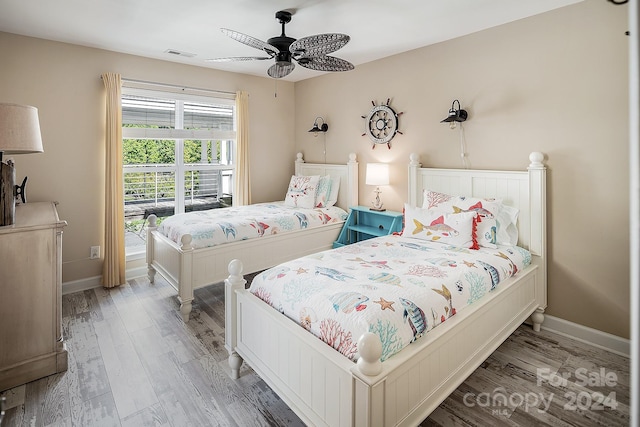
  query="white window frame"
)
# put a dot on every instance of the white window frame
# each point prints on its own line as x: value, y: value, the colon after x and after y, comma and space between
x: 182, y: 95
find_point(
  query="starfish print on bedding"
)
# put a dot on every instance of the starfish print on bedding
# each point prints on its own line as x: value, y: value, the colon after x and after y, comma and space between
x: 384, y: 304
x: 301, y: 270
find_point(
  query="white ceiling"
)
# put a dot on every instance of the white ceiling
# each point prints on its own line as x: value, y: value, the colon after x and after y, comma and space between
x: 151, y: 27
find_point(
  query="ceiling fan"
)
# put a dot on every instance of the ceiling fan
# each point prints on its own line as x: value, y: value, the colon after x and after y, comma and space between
x: 309, y: 52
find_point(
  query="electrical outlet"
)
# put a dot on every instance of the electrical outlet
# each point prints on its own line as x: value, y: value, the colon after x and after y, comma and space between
x: 95, y: 252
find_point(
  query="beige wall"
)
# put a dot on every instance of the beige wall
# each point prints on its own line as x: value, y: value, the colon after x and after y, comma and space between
x: 63, y: 81
x: 555, y: 83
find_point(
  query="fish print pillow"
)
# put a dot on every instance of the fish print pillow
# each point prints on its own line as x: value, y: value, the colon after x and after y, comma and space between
x: 456, y: 229
x: 302, y: 191
x: 495, y: 223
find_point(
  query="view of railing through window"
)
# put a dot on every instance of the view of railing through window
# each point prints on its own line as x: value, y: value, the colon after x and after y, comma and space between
x: 177, y: 157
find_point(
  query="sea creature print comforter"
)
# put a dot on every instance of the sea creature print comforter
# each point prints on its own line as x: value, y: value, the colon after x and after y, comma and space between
x: 396, y: 287
x: 217, y: 226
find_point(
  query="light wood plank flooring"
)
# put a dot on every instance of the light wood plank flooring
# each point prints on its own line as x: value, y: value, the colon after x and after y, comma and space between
x: 133, y: 362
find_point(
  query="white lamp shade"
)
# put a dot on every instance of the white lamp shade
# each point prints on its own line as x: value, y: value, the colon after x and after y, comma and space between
x: 377, y: 174
x: 19, y: 129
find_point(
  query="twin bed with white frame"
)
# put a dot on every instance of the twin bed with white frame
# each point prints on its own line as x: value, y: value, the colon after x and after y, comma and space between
x: 186, y: 268
x: 324, y: 388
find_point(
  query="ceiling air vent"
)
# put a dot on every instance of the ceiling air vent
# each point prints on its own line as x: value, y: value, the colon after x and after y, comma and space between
x: 178, y: 53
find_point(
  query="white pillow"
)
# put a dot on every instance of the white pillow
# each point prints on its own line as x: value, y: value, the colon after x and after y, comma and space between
x: 507, y: 234
x: 335, y: 186
x: 302, y: 191
x: 324, y: 190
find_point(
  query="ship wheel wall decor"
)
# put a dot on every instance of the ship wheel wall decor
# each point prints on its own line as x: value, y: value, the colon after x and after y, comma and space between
x: 381, y: 124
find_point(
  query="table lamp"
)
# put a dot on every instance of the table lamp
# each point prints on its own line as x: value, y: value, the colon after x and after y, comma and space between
x: 19, y: 134
x: 377, y: 174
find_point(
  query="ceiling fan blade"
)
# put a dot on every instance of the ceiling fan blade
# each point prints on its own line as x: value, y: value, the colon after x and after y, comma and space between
x: 250, y: 41
x: 319, y: 44
x: 280, y: 69
x: 238, y: 58
x: 325, y: 63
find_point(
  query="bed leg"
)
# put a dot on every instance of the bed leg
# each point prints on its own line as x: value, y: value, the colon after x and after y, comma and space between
x: 233, y: 283
x: 151, y: 272
x: 537, y: 318
x: 235, y: 362
x: 185, y: 310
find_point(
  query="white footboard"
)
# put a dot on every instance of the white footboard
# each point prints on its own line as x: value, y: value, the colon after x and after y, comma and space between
x: 316, y: 384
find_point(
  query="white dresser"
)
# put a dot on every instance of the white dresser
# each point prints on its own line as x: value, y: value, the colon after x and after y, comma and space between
x: 31, y: 342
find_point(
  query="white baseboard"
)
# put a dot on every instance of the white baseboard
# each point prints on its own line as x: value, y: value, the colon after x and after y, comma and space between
x: 81, y: 285
x: 96, y: 281
x: 594, y: 337
x: 132, y: 273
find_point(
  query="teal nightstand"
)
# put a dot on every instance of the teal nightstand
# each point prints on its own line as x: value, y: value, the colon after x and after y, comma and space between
x: 363, y: 223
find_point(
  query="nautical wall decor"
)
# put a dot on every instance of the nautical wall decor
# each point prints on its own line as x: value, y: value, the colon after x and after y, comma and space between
x: 381, y: 124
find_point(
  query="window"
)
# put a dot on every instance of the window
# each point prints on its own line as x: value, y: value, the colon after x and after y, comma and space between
x: 178, y: 156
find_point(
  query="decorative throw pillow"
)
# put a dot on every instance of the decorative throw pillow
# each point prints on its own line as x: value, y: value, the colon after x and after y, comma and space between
x: 324, y: 190
x: 451, y: 228
x: 302, y: 191
x: 496, y: 222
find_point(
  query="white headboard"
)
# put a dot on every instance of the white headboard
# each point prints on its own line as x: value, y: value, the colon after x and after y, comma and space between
x: 525, y: 190
x: 348, y: 173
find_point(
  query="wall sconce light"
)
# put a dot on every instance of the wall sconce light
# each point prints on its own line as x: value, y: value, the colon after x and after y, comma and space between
x: 377, y: 174
x: 319, y: 128
x: 455, y: 115
x: 19, y: 134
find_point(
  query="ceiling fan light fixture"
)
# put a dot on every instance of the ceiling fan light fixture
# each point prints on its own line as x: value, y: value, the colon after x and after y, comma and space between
x: 280, y: 69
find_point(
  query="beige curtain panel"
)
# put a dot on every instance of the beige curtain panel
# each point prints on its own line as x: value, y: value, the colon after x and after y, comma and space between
x: 242, y: 190
x: 114, y: 266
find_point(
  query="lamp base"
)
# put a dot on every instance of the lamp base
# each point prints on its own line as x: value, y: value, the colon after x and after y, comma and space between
x: 7, y: 198
x: 376, y: 205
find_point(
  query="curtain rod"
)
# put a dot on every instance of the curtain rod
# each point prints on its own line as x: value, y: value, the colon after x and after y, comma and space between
x: 166, y: 85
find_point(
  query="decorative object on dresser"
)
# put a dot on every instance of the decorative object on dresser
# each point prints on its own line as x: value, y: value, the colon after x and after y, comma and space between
x: 377, y: 174
x: 19, y: 134
x: 364, y: 223
x: 31, y: 304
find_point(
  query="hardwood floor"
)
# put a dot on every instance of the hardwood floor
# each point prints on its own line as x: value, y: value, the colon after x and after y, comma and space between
x: 133, y: 362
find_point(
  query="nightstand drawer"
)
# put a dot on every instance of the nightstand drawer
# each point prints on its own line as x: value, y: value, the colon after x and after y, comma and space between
x: 375, y: 223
